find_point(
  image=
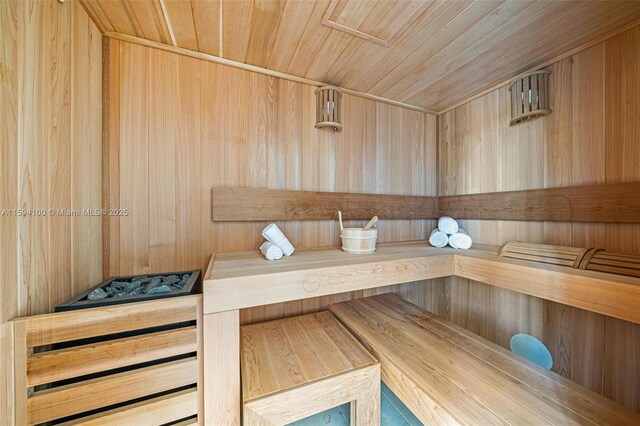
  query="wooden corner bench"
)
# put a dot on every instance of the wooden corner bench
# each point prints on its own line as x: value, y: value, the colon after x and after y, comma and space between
x: 447, y: 375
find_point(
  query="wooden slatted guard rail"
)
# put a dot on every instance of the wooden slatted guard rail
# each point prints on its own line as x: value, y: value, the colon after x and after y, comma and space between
x: 150, y: 375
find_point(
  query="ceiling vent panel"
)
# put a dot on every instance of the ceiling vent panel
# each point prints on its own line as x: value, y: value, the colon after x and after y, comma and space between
x: 381, y: 22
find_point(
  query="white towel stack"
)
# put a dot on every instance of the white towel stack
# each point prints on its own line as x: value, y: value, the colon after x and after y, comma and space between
x: 460, y: 240
x: 438, y: 238
x: 271, y: 251
x: 276, y: 245
x: 448, y: 225
x: 449, y: 232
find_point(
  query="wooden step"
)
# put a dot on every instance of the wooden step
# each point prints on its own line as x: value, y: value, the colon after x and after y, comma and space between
x: 296, y: 367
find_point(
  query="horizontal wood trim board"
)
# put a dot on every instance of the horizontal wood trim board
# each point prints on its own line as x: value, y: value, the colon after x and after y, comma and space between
x: 244, y: 204
x: 74, y: 325
x: 256, y: 289
x: 608, y: 203
x: 61, y: 364
x: 163, y: 409
x: 604, y: 203
x: 88, y: 395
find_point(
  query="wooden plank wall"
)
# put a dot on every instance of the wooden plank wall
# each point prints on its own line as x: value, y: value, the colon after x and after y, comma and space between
x: 50, y: 157
x: 592, y: 136
x: 181, y: 126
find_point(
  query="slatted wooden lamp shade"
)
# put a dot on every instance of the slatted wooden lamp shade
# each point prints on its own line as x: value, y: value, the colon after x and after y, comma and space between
x: 328, y: 107
x: 530, y: 96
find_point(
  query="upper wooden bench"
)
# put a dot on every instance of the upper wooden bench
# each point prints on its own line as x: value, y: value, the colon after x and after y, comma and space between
x: 243, y: 280
x: 447, y: 375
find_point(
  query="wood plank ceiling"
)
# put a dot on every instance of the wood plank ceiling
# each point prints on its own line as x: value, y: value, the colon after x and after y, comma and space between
x: 428, y: 53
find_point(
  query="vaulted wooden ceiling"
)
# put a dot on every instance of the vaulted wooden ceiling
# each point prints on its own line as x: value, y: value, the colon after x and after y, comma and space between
x: 429, y: 53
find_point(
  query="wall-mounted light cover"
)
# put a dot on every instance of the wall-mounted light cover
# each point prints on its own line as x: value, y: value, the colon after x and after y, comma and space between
x: 530, y: 96
x: 328, y: 108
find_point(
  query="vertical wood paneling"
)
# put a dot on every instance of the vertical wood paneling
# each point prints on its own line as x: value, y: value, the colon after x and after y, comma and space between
x: 622, y: 106
x: 162, y: 149
x: 134, y: 162
x: 622, y: 137
x: 187, y: 171
x: 50, y: 158
x: 58, y: 143
x: 587, y: 166
x: 587, y: 348
x: 203, y: 125
x: 86, y: 151
x: 622, y: 152
x: 621, y: 362
x: 588, y: 127
x: 110, y: 152
x: 590, y: 137
x: 10, y: 13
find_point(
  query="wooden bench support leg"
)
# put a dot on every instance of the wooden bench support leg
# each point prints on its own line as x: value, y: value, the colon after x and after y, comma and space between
x: 428, y: 411
x: 254, y: 419
x: 366, y: 409
x: 222, y: 369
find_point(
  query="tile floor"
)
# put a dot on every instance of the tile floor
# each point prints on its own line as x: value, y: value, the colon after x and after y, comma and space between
x: 392, y: 413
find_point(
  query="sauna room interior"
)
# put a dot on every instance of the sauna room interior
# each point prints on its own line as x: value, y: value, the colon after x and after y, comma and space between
x: 319, y: 212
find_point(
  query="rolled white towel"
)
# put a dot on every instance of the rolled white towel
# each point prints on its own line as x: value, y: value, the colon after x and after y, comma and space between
x: 448, y: 225
x: 273, y: 234
x: 460, y: 240
x: 438, y: 238
x: 271, y: 251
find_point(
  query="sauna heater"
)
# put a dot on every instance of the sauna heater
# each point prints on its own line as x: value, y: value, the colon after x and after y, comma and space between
x: 116, y: 291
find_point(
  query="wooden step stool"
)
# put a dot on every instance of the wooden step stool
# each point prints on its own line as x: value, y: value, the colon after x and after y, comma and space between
x: 297, y: 367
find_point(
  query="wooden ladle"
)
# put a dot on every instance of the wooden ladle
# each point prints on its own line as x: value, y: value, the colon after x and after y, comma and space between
x: 372, y: 222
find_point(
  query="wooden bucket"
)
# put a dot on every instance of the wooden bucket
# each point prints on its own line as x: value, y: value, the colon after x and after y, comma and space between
x: 358, y: 240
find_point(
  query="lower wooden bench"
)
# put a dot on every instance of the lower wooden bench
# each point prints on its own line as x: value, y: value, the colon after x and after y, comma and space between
x: 447, y: 375
x: 300, y: 366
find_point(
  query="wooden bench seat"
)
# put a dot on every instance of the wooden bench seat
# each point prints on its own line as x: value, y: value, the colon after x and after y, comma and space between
x: 446, y: 374
x: 296, y: 367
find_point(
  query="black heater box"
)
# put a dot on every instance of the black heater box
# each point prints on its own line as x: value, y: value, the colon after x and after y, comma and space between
x: 193, y: 286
